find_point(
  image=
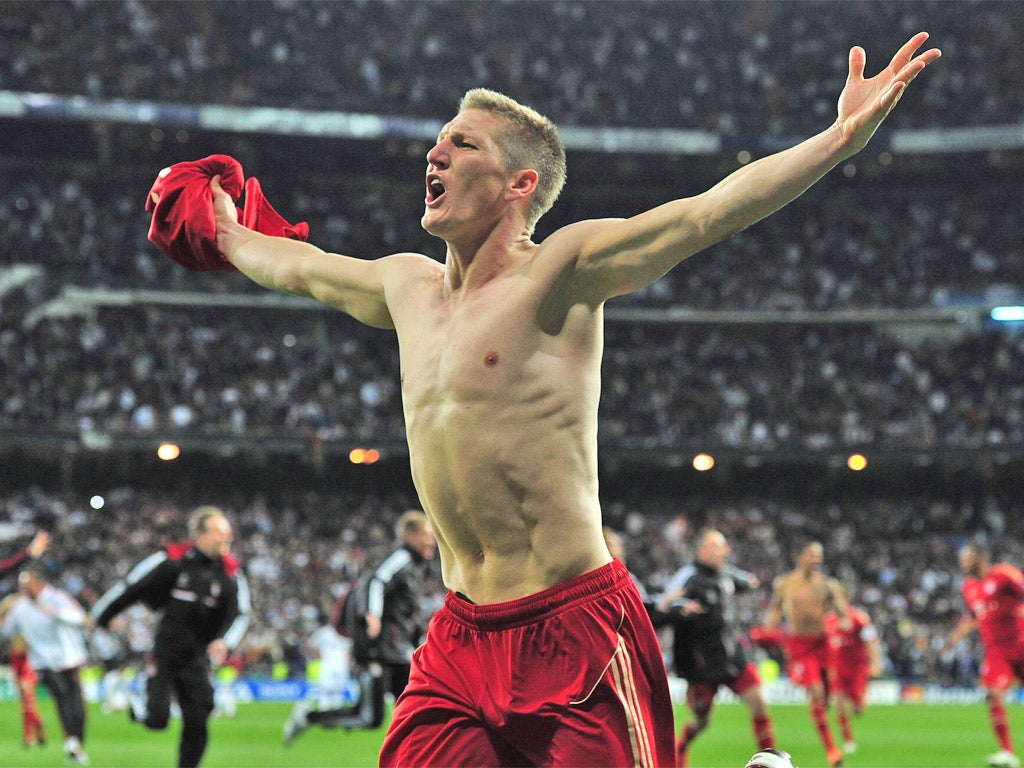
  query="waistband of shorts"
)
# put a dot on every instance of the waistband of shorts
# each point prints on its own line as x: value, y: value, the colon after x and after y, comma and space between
x: 815, y: 639
x: 526, y: 610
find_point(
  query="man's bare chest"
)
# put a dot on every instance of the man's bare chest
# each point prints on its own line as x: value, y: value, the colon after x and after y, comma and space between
x: 468, y: 352
x: 808, y: 592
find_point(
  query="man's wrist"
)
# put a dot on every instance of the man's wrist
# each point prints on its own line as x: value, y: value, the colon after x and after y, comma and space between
x: 231, y: 236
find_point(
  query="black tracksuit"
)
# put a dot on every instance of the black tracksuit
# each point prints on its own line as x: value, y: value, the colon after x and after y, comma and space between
x: 390, y: 590
x: 198, y: 599
x: 708, y: 647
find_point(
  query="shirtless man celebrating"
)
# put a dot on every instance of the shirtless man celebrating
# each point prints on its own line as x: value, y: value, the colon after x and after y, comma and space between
x: 543, y: 653
x: 803, y: 598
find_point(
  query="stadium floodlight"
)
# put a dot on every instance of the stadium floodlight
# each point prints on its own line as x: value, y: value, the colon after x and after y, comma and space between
x: 1008, y: 314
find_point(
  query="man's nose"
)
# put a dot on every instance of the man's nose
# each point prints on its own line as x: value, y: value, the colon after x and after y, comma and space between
x: 436, y: 156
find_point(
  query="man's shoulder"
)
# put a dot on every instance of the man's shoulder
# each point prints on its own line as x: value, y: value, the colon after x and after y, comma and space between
x: 784, y: 580
x: 179, y: 549
x: 407, y: 276
x: 410, y: 265
x: 579, y: 229
x: 18, y: 605
x: 859, y: 615
x: 231, y: 566
x: 566, y: 244
x: 1006, y: 572
x: 411, y: 259
x: 397, y: 560
x: 971, y: 587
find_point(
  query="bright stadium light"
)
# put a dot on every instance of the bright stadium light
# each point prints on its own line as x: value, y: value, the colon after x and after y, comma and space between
x: 364, y: 455
x: 702, y: 462
x: 1008, y: 314
x: 168, y: 451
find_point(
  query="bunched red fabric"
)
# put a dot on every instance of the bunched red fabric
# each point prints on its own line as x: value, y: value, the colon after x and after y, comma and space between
x: 183, y: 224
x: 260, y: 216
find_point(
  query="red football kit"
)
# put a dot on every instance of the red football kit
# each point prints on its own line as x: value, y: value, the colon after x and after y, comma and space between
x: 807, y: 659
x: 996, y: 601
x: 572, y: 675
x: 849, y: 663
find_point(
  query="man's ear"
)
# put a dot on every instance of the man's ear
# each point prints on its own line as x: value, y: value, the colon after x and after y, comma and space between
x: 523, y: 183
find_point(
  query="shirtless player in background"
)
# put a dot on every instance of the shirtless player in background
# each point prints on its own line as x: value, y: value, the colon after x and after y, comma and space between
x: 801, y: 599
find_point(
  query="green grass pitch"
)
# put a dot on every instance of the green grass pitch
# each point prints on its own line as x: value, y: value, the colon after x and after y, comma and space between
x: 902, y: 736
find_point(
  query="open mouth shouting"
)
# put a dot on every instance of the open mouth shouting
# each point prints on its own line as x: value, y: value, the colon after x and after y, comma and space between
x: 435, y: 190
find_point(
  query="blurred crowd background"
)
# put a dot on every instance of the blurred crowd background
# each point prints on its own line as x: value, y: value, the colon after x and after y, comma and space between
x: 761, y: 351
x: 757, y: 66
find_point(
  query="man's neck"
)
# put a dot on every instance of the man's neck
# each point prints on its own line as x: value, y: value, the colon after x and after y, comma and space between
x: 478, y: 264
x: 476, y: 257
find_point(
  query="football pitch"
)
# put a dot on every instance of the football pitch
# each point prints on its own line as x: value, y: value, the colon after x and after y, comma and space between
x: 901, y: 736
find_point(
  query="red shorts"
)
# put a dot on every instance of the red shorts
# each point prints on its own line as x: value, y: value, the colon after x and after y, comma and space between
x: 572, y: 675
x: 851, y: 682
x: 807, y: 659
x: 1001, y: 666
x: 700, y: 697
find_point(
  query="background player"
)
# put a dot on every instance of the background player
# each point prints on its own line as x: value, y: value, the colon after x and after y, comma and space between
x: 855, y: 656
x: 802, y: 598
x: 203, y: 599
x: 33, y: 733
x: 381, y: 614
x: 52, y: 624
x: 708, y: 648
x: 994, y: 595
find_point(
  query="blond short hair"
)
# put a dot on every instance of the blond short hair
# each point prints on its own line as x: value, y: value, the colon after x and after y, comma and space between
x: 529, y: 141
x: 409, y: 522
x: 200, y: 518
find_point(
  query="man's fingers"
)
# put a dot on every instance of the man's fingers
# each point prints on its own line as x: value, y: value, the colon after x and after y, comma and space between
x: 906, y: 52
x: 912, y: 70
x: 906, y: 65
x: 893, y: 94
x: 858, y: 59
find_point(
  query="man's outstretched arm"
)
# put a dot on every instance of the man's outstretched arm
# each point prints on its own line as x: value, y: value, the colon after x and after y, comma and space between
x: 621, y: 256
x: 354, y: 286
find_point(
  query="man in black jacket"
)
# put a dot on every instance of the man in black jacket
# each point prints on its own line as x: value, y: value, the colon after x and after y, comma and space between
x: 708, y: 648
x: 381, y: 613
x: 202, y: 600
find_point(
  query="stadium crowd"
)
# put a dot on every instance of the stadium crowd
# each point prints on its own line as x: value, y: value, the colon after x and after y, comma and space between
x: 760, y: 67
x: 244, y: 373
x: 859, y: 243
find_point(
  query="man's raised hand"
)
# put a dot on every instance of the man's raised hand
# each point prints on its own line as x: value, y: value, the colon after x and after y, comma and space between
x: 865, y: 103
